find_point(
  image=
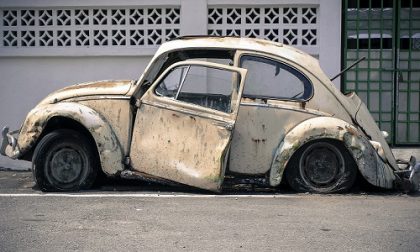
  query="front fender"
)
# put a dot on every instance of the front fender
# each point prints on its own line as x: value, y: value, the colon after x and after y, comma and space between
x: 370, y: 165
x: 108, y: 146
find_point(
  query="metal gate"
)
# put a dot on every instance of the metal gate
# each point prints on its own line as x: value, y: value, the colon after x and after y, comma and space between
x: 387, y: 33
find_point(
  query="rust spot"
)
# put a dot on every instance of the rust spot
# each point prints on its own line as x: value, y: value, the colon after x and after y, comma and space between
x: 192, y: 117
x: 99, y: 84
x: 351, y: 131
x: 177, y: 116
x: 257, y: 140
x: 340, y: 128
x: 267, y: 43
x: 248, y: 99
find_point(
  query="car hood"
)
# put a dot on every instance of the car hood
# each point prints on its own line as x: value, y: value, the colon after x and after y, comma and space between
x: 105, y: 87
x: 367, y: 123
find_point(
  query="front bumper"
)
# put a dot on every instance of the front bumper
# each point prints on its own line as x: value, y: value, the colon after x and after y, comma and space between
x: 9, y: 146
x: 410, y: 176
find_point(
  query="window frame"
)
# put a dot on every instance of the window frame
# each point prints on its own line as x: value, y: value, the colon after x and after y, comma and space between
x: 295, y: 71
x: 158, y: 65
x: 232, y: 69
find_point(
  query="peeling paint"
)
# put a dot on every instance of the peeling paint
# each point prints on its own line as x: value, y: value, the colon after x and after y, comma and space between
x: 89, y: 89
x: 257, y: 134
x: 111, y: 153
x: 183, y: 143
x: 373, y: 169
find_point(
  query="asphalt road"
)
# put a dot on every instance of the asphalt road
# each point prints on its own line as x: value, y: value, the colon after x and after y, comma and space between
x: 131, y: 216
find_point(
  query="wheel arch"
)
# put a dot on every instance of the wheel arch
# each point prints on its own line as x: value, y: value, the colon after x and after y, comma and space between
x: 44, y: 119
x: 61, y: 122
x: 372, y: 168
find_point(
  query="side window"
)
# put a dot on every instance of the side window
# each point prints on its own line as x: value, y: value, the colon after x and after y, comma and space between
x: 201, y: 85
x: 268, y: 78
x: 169, y: 85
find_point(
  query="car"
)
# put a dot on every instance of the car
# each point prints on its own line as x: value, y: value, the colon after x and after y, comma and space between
x: 207, y: 110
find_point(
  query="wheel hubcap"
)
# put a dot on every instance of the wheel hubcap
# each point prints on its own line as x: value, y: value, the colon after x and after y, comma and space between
x: 67, y: 165
x: 321, y: 164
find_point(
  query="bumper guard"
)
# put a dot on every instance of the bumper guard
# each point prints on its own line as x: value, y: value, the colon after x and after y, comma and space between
x: 410, y: 177
x: 9, y: 146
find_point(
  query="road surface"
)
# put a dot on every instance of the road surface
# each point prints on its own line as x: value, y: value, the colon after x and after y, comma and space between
x: 131, y: 216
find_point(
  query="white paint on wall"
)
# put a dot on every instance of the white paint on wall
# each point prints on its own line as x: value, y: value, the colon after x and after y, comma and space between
x: 330, y: 38
x: 25, y: 81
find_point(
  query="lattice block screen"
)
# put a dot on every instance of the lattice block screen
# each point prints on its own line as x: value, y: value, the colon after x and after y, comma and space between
x: 289, y: 25
x: 86, y: 27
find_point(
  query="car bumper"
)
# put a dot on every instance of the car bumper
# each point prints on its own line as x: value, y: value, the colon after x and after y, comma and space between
x: 9, y: 146
x: 410, y: 176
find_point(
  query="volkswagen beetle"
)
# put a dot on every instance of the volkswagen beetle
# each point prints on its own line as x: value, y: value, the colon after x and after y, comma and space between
x: 207, y: 109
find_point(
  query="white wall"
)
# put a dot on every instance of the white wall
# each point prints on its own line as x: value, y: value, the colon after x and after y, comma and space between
x: 29, y: 73
x: 330, y: 38
x: 25, y: 81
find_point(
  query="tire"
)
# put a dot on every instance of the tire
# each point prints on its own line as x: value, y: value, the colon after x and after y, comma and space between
x: 321, y: 167
x: 64, y: 160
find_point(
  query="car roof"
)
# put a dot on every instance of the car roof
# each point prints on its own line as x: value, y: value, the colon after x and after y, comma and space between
x: 294, y: 55
x: 239, y: 43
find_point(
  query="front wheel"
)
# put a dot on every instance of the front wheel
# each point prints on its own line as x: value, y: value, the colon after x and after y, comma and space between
x: 64, y: 160
x: 321, y: 167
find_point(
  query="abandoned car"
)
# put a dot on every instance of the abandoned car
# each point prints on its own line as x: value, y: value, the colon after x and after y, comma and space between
x: 208, y: 109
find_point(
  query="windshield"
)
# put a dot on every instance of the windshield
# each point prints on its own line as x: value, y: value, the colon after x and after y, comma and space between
x: 223, y: 56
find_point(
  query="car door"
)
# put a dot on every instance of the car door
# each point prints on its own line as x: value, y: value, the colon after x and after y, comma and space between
x: 184, y: 123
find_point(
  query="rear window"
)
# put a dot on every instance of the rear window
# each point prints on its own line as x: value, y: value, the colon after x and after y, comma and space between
x: 268, y: 78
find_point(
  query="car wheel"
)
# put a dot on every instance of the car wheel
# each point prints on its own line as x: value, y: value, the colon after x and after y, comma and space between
x: 64, y: 160
x: 321, y: 167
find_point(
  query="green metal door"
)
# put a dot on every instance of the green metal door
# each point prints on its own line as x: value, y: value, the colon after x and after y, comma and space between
x: 387, y: 33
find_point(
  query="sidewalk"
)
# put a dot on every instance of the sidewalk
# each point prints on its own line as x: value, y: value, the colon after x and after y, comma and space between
x: 406, y: 153
x: 15, y: 165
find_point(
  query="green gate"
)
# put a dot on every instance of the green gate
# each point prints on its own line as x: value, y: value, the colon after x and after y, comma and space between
x: 387, y: 33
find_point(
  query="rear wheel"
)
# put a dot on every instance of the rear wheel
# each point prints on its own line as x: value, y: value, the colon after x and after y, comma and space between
x: 321, y: 167
x: 64, y: 160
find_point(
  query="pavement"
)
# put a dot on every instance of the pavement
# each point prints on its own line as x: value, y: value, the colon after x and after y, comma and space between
x: 134, y: 216
x: 406, y: 152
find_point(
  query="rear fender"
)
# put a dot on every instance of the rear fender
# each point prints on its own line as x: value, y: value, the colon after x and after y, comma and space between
x: 108, y: 146
x: 372, y: 168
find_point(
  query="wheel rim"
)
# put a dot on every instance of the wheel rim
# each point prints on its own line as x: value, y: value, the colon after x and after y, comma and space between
x: 66, y: 166
x: 322, y: 164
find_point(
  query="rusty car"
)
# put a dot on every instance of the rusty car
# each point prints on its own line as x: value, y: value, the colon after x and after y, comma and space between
x: 207, y: 110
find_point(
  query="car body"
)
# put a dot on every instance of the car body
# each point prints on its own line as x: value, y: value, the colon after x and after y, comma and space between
x: 207, y: 108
